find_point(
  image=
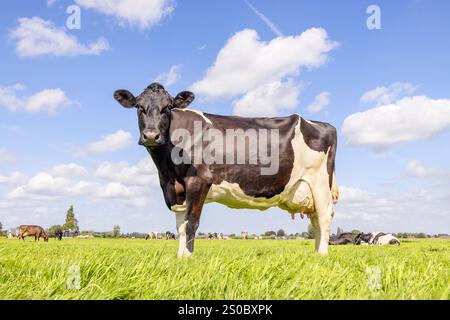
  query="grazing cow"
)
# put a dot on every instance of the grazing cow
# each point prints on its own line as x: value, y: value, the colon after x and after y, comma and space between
x: 58, y: 233
x: 376, y: 238
x: 151, y: 235
x: 298, y: 176
x: 30, y: 231
x: 170, y: 236
x: 343, y: 238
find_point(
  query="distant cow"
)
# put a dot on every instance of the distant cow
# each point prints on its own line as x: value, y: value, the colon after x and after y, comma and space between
x: 343, y: 238
x: 213, y: 236
x: 170, y: 235
x: 58, y: 233
x: 376, y: 238
x: 244, y: 235
x: 151, y: 235
x: 297, y: 177
x: 30, y: 231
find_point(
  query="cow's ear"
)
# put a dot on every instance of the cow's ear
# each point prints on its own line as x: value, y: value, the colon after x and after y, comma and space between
x: 183, y: 99
x: 125, y: 98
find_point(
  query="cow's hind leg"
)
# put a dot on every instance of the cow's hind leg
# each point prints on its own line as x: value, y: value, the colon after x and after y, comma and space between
x: 321, y: 222
x: 321, y: 219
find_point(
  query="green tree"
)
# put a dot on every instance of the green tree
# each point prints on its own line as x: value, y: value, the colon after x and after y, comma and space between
x: 116, y: 231
x: 1, y: 227
x: 311, y: 232
x: 281, y: 233
x: 356, y: 232
x: 71, y: 221
x: 339, y: 231
x: 421, y: 235
x: 270, y: 233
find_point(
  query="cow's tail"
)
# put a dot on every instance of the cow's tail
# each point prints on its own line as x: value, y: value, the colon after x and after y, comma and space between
x: 332, y: 168
x: 334, y: 189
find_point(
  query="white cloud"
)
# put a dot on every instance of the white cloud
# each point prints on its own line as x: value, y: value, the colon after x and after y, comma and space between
x: 142, y: 174
x: 409, y: 119
x: 48, y: 100
x: 395, y: 211
x: 321, y: 101
x: 268, y: 100
x: 416, y: 169
x: 110, y: 142
x: 114, y: 190
x: 14, y: 178
x: 246, y: 63
x: 353, y: 195
x: 124, y: 181
x: 387, y: 95
x: 170, y: 77
x: 36, y: 36
x: 45, y: 186
x: 6, y: 156
x: 141, y: 13
x: 67, y: 170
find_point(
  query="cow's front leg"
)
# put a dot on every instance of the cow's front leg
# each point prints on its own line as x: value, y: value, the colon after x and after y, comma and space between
x: 196, y: 192
x: 181, y: 228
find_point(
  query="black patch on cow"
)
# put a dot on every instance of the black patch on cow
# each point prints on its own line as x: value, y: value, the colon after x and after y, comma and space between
x: 247, y: 176
x: 321, y: 137
x: 394, y: 241
x: 343, y: 238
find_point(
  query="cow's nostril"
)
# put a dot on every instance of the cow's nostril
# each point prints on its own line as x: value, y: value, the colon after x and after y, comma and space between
x: 156, y: 137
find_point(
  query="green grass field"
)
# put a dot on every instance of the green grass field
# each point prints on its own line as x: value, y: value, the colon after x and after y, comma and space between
x: 230, y: 269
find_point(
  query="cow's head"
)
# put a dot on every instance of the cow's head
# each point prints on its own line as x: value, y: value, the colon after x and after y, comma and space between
x: 153, y: 109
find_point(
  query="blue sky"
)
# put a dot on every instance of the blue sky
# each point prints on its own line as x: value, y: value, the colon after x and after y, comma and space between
x: 64, y: 140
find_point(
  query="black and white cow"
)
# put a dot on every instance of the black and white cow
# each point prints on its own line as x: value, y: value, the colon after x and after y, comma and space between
x: 376, y: 238
x: 303, y: 182
x: 343, y: 238
x: 170, y: 235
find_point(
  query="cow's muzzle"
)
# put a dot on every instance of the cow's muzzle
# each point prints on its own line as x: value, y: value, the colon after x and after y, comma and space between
x: 150, y: 138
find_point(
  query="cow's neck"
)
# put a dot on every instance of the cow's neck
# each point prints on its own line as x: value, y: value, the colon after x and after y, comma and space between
x: 161, y: 158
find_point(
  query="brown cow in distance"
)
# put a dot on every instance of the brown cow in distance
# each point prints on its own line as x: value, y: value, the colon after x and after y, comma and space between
x: 30, y: 231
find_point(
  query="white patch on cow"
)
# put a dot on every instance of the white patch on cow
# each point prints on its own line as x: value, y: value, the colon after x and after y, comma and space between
x: 382, y: 240
x: 198, y: 113
x: 179, y: 208
x: 181, y: 227
x: 296, y: 196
